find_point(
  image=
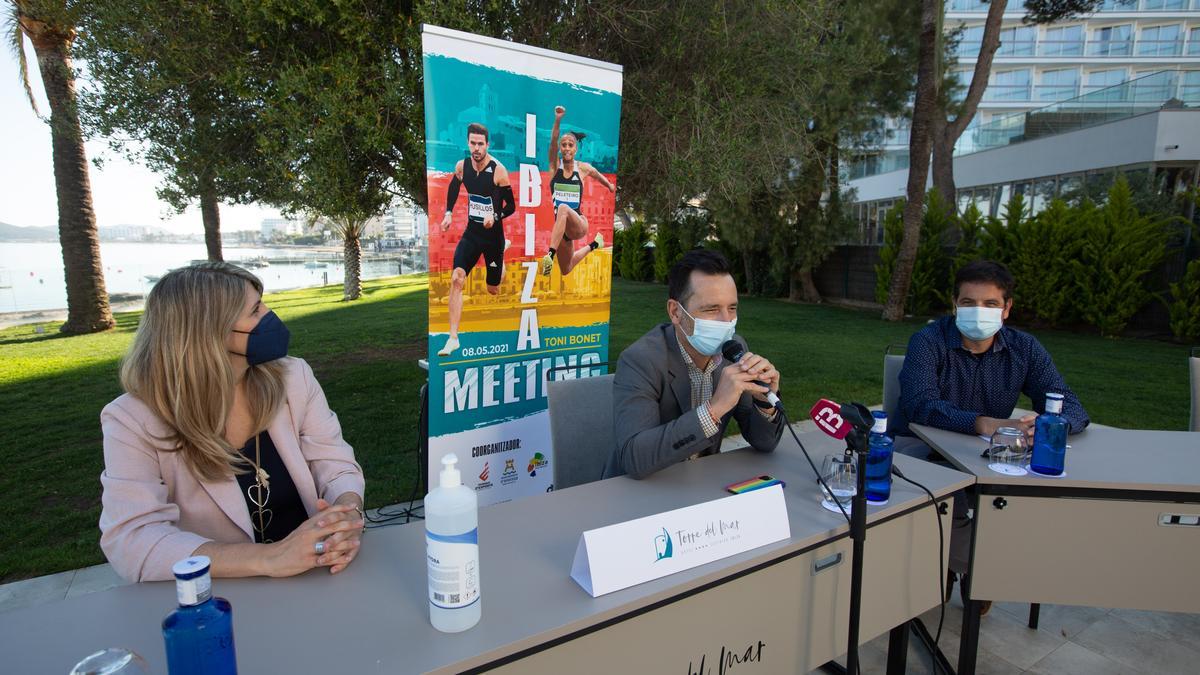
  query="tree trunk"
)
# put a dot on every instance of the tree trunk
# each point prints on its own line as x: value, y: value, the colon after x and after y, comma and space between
x: 748, y: 265
x: 943, y: 164
x: 352, y: 252
x: 210, y: 213
x: 803, y: 288
x: 918, y: 149
x: 947, y: 132
x: 88, y: 309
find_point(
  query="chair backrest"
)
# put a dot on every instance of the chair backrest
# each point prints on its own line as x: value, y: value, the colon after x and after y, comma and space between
x: 581, y: 428
x: 1194, y: 361
x: 891, y: 382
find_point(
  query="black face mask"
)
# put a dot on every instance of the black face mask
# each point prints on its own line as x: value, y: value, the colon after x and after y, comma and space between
x: 267, y: 342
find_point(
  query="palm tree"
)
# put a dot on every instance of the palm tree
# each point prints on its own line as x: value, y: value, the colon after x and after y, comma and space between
x: 49, y: 27
x: 350, y: 229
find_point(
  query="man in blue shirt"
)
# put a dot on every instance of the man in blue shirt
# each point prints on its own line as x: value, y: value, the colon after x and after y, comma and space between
x: 965, y: 373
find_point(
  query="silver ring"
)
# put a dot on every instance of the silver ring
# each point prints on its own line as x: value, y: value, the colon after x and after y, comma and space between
x: 319, y: 547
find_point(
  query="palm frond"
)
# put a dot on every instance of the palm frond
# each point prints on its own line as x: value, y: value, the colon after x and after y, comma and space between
x: 12, y: 27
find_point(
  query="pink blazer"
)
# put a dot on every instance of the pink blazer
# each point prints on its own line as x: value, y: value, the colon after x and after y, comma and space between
x: 156, y: 512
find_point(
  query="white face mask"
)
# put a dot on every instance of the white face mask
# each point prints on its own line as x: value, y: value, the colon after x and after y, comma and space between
x: 979, y: 323
x: 708, y: 335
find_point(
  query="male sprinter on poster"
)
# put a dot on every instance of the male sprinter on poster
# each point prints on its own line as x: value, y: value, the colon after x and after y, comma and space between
x: 566, y: 191
x: 490, y: 200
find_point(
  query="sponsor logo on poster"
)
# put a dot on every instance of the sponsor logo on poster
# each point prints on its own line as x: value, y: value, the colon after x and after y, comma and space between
x: 538, y: 461
x: 510, y: 474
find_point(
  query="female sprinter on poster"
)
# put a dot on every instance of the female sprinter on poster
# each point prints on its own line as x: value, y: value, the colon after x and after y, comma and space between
x: 566, y: 191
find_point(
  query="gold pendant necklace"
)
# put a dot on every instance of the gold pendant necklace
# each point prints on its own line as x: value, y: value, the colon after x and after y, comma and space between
x: 260, y: 493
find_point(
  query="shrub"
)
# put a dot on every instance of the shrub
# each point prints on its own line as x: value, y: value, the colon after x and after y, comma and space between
x: 929, y: 277
x: 1119, y: 248
x: 635, y: 261
x: 1184, y: 307
x: 893, y: 236
x: 667, y: 250
x: 1042, y: 245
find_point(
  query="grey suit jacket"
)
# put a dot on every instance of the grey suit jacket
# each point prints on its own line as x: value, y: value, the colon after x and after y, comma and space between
x: 654, y: 421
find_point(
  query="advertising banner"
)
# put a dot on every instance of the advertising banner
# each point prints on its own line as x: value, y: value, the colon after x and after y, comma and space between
x: 521, y: 159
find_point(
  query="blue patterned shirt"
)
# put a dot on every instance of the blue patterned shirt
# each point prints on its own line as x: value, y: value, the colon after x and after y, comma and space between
x: 943, y: 385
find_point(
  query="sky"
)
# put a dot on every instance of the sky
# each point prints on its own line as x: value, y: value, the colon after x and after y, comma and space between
x: 122, y: 192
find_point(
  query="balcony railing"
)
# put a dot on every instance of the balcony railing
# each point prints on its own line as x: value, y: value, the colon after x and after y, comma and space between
x: 1164, y: 89
x: 1076, y: 48
x: 1147, y: 93
x: 1110, y: 6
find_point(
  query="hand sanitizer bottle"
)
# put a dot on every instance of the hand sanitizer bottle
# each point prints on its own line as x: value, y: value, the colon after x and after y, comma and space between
x: 199, y: 633
x: 452, y: 551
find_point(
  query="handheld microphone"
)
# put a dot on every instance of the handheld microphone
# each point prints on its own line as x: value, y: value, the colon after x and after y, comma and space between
x: 733, y: 351
x: 828, y: 416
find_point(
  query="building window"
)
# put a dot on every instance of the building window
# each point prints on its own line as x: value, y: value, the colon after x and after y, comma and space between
x: 1009, y: 85
x: 1189, y: 87
x: 1062, y: 41
x: 968, y: 5
x: 1165, y: 4
x: 970, y: 41
x: 1043, y: 194
x: 1154, y: 86
x: 1059, y: 85
x: 1112, y: 41
x: 1107, y: 79
x: 1160, y: 41
x: 1017, y: 41
x: 1118, y: 5
x: 1194, y: 41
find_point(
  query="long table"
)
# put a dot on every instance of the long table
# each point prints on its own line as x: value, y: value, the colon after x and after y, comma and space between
x: 777, y: 608
x: 1120, y: 528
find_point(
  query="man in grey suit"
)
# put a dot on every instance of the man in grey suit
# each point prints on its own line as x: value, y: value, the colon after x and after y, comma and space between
x: 673, y: 393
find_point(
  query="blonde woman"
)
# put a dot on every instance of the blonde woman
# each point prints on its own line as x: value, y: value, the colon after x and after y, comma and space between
x: 223, y: 445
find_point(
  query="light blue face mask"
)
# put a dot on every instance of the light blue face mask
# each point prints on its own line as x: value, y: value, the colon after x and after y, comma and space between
x: 979, y: 323
x: 708, y: 335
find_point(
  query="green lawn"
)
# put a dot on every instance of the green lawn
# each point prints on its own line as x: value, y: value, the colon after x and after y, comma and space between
x: 364, y: 353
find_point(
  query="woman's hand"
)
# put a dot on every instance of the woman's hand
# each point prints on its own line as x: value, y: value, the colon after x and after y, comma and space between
x: 341, y: 548
x: 297, y: 553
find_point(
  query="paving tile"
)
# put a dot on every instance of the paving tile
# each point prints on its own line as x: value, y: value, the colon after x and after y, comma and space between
x: 1010, y: 639
x: 1183, y: 628
x: 1136, y: 648
x: 1072, y: 659
x: 1064, y: 620
x: 36, y: 591
x: 94, y: 579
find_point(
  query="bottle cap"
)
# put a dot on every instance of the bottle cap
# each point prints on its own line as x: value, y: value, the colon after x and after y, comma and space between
x: 190, y: 568
x: 1054, y: 403
x: 880, y: 426
x: 450, y: 476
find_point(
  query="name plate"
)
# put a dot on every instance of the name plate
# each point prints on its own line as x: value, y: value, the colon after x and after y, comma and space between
x: 626, y: 554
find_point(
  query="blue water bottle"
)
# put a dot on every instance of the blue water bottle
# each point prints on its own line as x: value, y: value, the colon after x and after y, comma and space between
x: 879, y: 461
x: 199, y: 633
x: 1050, y: 439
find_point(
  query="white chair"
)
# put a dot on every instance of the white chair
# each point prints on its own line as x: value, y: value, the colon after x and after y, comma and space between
x: 892, y: 363
x: 581, y: 428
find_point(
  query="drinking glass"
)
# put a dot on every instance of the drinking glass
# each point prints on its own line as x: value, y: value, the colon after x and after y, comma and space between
x: 1009, y: 451
x: 112, y: 661
x: 841, y: 476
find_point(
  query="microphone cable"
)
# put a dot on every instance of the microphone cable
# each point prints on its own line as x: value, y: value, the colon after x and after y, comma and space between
x: 385, y: 516
x: 941, y: 570
x: 816, y: 472
x: 821, y: 480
